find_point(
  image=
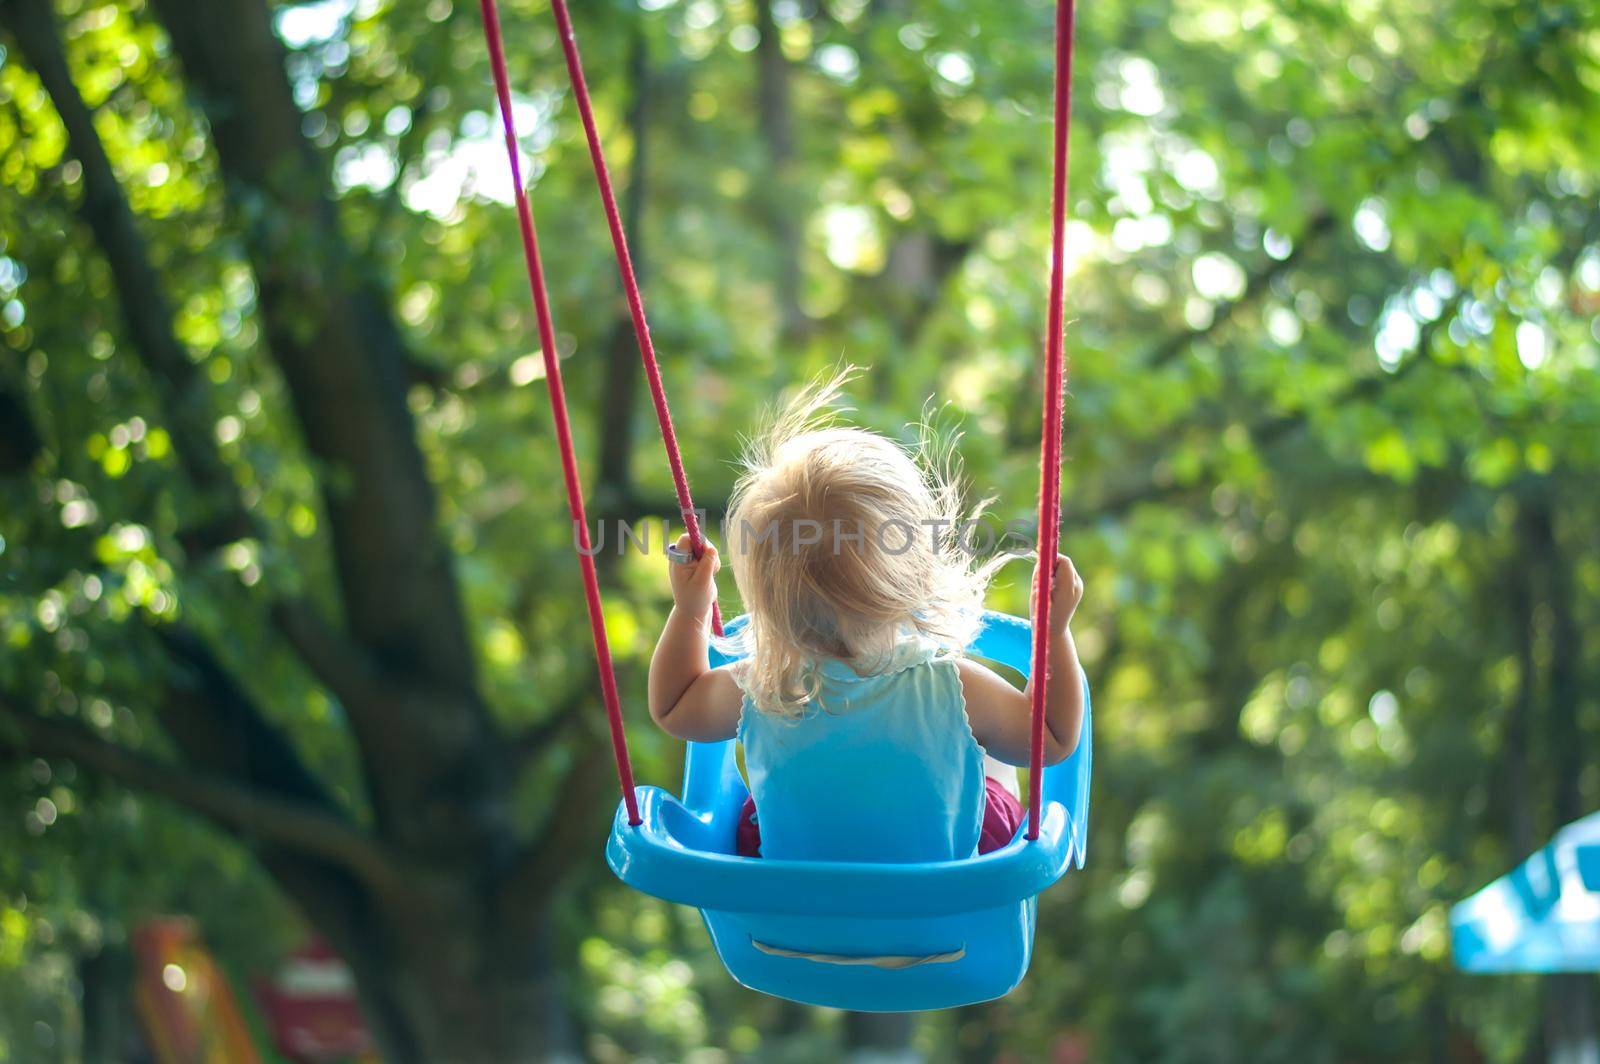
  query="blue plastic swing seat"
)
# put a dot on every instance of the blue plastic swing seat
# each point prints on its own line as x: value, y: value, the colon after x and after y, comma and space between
x: 858, y: 936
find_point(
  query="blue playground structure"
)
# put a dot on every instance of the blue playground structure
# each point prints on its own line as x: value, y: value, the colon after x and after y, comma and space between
x: 1543, y: 916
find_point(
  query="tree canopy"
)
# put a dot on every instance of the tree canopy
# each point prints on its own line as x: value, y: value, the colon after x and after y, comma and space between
x: 291, y: 628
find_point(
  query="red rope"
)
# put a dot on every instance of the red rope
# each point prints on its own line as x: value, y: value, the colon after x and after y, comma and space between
x: 558, y: 411
x: 1055, y: 383
x: 1055, y: 378
x: 630, y: 285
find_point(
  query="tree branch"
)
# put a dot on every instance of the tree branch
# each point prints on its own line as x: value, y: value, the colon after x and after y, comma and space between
x: 774, y: 107
x: 1323, y: 222
x: 332, y: 333
x: 425, y: 801
x: 1257, y: 285
x: 565, y: 715
x: 19, y: 438
x: 306, y: 827
x: 618, y: 400
x: 206, y: 712
x: 145, y: 310
x: 340, y: 666
x: 217, y: 726
x: 437, y: 59
x: 345, y: 668
x: 579, y: 808
x: 1264, y: 432
x: 402, y: 729
x: 399, y: 592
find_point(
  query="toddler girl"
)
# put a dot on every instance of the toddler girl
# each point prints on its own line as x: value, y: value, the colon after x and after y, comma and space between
x: 864, y: 730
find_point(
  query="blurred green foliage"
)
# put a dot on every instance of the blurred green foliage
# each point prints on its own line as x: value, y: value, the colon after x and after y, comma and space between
x: 1334, y: 440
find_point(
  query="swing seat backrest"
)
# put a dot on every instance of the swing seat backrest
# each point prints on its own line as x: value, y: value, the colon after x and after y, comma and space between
x: 859, y: 936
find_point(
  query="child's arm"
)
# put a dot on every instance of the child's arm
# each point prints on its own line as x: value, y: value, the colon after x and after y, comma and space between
x: 1001, y: 715
x: 688, y: 698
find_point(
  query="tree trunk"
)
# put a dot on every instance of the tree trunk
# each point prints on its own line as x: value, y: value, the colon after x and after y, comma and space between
x: 1572, y: 1035
x: 1570, y: 1019
x: 463, y: 991
x: 880, y: 1038
x: 614, y: 488
x: 778, y: 202
x: 443, y: 973
x: 106, y: 980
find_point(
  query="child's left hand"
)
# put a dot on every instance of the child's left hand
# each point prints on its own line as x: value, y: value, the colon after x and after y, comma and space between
x: 694, y: 586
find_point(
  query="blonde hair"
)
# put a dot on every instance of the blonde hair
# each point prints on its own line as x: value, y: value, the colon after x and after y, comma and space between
x: 814, y: 537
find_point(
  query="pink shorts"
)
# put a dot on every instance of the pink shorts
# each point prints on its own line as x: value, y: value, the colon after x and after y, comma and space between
x: 1002, y: 816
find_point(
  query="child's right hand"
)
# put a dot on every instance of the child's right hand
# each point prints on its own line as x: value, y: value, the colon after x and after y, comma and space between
x: 1066, y: 591
x: 694, y: 586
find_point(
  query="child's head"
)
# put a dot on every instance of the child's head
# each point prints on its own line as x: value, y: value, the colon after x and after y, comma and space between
x: 840, y: 541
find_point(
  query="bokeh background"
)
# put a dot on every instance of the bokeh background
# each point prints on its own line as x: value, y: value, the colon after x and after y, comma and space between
x: 291, y: 637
